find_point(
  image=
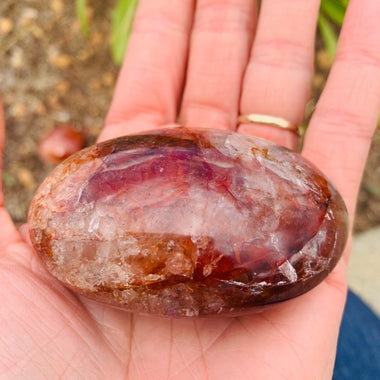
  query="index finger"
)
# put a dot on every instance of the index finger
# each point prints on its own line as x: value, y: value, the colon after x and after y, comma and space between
x: 151, y: 79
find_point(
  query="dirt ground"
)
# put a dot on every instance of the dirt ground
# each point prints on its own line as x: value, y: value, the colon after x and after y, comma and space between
x: 50, y: 74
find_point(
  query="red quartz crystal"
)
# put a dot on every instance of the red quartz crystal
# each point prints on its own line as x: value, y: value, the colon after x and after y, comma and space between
x: 188, y: 222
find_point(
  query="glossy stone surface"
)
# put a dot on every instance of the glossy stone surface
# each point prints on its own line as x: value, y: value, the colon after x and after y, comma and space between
x: 188, y: 222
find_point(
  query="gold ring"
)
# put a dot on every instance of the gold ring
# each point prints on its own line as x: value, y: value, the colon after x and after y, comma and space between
x: 273, y: 121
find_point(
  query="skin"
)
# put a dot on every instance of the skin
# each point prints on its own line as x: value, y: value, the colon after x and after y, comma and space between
x: 200, y: 63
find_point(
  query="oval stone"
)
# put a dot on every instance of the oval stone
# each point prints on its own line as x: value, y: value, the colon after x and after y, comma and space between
x: 188, y: 222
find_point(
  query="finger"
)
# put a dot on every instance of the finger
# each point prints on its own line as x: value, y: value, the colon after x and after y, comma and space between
x: 151, y: 79
x: 222, y: 34
x: 339, y: 135
x: 279, y: 74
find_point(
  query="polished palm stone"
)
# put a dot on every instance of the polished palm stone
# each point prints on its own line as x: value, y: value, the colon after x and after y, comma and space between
x: 188, y: 222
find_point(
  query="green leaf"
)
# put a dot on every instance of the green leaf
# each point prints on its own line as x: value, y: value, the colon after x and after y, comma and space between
x: 9, y: 179
x: 334, y: 9
x: 122, y: 20
x: 328, y: 35
x: 373, y: 190
x: 81, y: 10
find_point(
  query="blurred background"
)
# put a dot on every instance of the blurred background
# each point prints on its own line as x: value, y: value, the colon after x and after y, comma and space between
x: 58, y: 66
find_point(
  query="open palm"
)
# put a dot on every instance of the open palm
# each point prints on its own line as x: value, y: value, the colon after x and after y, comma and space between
x: 49, y: 332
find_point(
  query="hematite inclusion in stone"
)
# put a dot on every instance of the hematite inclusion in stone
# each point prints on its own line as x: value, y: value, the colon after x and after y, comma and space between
x: 188, y: 222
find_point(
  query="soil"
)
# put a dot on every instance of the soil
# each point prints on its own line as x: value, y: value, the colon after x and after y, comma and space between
x: 50, y: 74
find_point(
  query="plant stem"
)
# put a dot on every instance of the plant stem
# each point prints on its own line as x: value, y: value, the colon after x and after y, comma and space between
x: 81, y: 10
x: 122, y: 20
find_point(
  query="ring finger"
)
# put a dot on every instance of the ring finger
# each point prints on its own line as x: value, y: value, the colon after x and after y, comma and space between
x: 278, y: 77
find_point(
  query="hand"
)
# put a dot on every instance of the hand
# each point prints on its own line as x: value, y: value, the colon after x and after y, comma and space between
x: 49, y: 332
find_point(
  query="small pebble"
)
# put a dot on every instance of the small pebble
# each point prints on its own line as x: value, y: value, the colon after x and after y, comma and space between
x: 108, y: 79
x: 17, y: 57
x: 19, y: 110
x: 63, y: 86
x: 61, y: 61
x: 26, y: 178
x: 6, y: 25
x: 28, y: 16
x: 57, y: 7
x: 324, y: 60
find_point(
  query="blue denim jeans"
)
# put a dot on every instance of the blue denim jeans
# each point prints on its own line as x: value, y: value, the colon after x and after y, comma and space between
x: 358, y: 354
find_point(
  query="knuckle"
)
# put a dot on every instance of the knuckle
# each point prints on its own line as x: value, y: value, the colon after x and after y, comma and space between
x: 147, y: 113
x: 158, y: 22
x: 360, y: 56
x: 219, y: 16
x: 283, y: 53
x: 205, y: 114
x: 337, y: 123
